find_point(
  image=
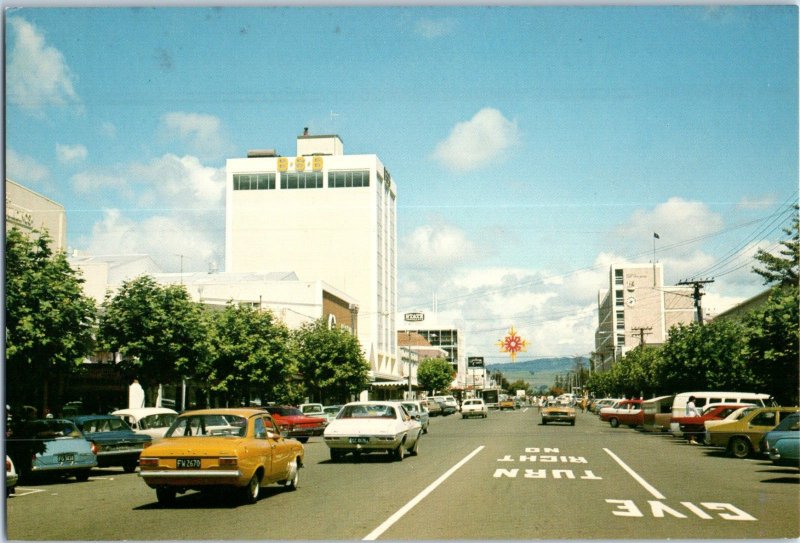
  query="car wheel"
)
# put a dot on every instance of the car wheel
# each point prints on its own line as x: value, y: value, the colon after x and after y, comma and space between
x: 614, y: 423
x: 425, y: 430
x: 415, y: 449
x: 294, y: 476
x: 739, y: 447
x: 251, y: 491
x: 572, y: 423
x: 544, y: 422
x: 82, y: 475
x: 399, y: 453
x: 336, y: 455
x: 302, y: 439
x: 166, y: 496
x: 130, y: 467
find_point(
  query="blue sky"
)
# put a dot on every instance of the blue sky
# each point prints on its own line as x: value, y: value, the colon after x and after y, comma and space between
x: 531, y: 146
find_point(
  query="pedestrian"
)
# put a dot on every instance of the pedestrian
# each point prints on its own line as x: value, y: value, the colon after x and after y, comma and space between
x: 692, y: 411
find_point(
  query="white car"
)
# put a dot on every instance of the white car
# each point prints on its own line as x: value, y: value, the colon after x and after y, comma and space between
x: 11, y: 476
x: 418, y: 410
x: 448, y: 403
x: 474, y: 408
x: 152, y: 421
x: 312, y: 409
x: 330, y: 412
x: 364, y: 427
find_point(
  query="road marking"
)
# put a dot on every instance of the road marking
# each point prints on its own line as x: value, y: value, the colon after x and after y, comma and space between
x: 26, y: 491
x: 647, y: 486
x: 376, y: 533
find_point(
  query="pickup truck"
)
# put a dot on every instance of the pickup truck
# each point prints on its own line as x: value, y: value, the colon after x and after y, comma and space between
x: 627, y: 412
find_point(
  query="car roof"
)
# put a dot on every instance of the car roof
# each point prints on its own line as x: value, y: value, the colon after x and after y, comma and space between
x: 144, y: 411
x: 78, y: 418
x: 240, y: 411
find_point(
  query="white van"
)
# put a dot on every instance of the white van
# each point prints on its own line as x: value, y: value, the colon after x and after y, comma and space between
x: 703, y: 399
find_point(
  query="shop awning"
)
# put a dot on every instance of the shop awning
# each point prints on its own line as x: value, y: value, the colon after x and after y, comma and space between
x: 390, y: 384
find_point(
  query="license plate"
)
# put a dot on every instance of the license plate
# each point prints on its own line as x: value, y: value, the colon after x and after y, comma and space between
x: 65, y: 457
x: 187, y: 463
x: 359, y: 440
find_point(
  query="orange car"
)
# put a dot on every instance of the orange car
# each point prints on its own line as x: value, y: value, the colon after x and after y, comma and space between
x: 238, y: 448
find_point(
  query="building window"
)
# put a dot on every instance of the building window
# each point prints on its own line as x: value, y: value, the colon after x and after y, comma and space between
x: 620, y: 340
x: 301, y: 180
x: 254, y: 181
x: 619, y: 298
x: 354, y: 178
x: 620, y: 320
x: 618, y: 277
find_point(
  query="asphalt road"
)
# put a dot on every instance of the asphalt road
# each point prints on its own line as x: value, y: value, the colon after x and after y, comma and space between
x: 504, y: 477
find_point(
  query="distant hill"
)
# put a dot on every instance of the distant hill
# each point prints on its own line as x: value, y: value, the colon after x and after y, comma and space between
x: 539, y: 371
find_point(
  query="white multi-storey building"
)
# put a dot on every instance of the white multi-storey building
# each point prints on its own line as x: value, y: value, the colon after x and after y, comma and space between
x: 326, y: 216
x: 636, y: 309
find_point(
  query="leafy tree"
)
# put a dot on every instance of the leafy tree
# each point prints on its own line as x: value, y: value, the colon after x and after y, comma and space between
x: 710, y: 357
x: 49, y: 321
x: 435, y: 374
x: 159, y: 331
x: 519, y: 384
x: 772, y: 342
x: 782, y: 269
x: 331, y: 362
x: 249, y: 353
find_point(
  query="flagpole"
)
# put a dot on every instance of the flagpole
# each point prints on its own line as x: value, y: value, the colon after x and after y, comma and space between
x: 655, y: 237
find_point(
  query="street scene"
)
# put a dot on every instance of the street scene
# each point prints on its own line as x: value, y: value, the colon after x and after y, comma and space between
x: 503, y: 477
x: 402, y: 273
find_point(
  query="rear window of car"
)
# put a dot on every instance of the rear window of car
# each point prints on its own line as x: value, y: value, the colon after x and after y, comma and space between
x: 367, y: 412
x: 208, y: 425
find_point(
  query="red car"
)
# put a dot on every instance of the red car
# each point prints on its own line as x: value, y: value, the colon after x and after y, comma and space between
x: 295, y: 423
x: 623, y: 412
x: 694, y: 427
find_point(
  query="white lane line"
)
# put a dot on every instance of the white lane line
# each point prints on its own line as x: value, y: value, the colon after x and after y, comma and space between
x: 376, y: 533
x: 656, y: 494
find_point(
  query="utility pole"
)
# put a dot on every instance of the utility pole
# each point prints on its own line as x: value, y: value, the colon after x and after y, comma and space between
x: 696, y: 295
x: 642, y: 331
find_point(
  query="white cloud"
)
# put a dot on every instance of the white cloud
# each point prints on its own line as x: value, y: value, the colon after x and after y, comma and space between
x: 674, y: 220
x: 758, y: 203
x: 202, y: 133
x: 25, y: 170
x: 179, y: 210
x: 171, y: 241
x: 436, y: 246
x: 476, y: 143
x: 430, y: 28
x: 37, y: 74
x: 71, y: 154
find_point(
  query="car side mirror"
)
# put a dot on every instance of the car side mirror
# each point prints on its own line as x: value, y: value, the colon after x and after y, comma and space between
x: 273, y: 435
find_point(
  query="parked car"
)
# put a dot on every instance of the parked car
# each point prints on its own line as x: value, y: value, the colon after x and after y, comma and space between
x: 330, y: 412
x: 603, y: 402
x: 11, y: 476
x: 702, y: 399
x: 297, y: 425
x: 656, y: 413
x: 694, y: 427
x: 365, y: 427
x: 419, y: 411
x: 434, y: 407
x: 113, y: 441
x: 448, y: 403
x: 742, y: 438
x: 474, y: 407
x: 783, y: 442
x: 627, y: 412
x: 151, y: 421
x: 312, y: 409
x: 57, y: 447
x: 559, y: 412
x: 241, y: 449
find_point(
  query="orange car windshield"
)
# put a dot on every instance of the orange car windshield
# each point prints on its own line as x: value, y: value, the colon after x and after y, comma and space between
x: 208, y: 425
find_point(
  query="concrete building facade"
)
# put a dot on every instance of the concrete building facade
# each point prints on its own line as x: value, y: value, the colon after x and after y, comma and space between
x: 28, y: 211
x: 327, y: 216
x: 636, y: 309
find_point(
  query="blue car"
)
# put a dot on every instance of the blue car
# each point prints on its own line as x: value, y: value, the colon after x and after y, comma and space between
x: 783, y: 442
x: 113, y: 441
x: 52, y: 447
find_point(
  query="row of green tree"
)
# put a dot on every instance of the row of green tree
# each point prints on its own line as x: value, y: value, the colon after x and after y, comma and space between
x: 231, y: 354
x: 758, y: 352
